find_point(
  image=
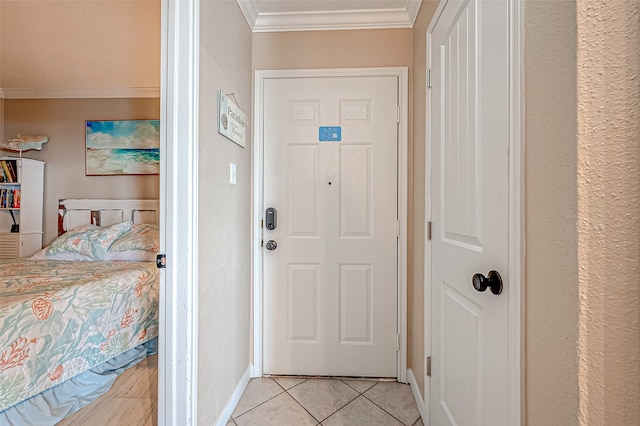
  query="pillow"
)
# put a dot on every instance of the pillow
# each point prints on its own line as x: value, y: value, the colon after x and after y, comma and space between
x: 88, y: 240
x: 141, y: 236
x: 73, y: 256
x: 130, y: 256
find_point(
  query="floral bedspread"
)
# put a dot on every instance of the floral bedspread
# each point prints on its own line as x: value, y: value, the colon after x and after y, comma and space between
x: 59, y: 319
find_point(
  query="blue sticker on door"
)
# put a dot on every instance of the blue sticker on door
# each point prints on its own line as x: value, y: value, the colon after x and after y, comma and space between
x: 330, y: 134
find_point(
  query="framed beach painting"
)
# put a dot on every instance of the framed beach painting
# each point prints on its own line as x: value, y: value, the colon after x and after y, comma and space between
x: 122, y: 147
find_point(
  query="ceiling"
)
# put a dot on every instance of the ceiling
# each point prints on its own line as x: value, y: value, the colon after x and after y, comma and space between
x: 310, y: 15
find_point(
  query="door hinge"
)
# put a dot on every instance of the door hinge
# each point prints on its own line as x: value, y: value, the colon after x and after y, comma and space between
x: 261, y: 243
x: 429, y: 78
x: 262, y: 223
x: 161, y: 261
x: 398, y: 115
x: 397, y: 229
x: 429, y: 230
x: 398, y: 342
x: 428, y: 367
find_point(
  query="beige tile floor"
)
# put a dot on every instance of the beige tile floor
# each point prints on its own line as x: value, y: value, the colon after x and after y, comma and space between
x: 285, y: 401
x: 280, y: 401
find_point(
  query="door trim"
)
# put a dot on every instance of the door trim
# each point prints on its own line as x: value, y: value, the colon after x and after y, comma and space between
x: 178, y: 343
x: 516, y: 216
x: 516, y: 212
x: 258, y: 178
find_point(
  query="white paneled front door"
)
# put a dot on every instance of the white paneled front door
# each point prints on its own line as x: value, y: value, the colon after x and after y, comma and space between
x: 469, y: 140
x: 330, y: 285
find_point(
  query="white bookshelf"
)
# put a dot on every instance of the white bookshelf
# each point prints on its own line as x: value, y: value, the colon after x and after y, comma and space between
x: 29, y: 183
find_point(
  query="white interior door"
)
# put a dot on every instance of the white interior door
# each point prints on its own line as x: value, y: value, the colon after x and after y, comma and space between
x: 330, y: 286
x: 469, y: 142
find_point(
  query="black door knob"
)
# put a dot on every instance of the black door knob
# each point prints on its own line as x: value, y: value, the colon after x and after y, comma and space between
x: 492, y: 281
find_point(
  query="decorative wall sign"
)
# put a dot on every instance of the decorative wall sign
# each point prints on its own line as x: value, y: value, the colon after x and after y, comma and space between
x: 232, y: 122
x: 124, y: 147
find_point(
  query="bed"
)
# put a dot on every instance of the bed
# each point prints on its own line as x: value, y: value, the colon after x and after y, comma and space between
x: 80, y: 311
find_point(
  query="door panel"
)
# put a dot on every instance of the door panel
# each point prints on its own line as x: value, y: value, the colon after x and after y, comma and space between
x: 302, y: 305
x: 355, y: 304
x: 355, y: 193
x: 469, y: 194
x: 330, y: 289
x: 460, y: 322
x: 303, y: 174
x: 461, y: 181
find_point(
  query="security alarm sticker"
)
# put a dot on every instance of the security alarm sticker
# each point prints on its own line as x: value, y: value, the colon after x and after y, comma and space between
x: 330, y: 134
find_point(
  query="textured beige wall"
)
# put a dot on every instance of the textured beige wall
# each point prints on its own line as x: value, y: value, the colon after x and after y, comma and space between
x: 332, y: 49
x: 224, y: 219
x: 63, y: 120
x: 609, y: 211
x: 80, y: 44
x: 551, y: 268
x: 417, y: 188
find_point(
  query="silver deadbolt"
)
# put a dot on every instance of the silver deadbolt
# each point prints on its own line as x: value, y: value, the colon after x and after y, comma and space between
x: 271, y: 245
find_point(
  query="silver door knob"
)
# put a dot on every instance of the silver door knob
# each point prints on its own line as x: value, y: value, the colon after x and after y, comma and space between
x: 271, y: 245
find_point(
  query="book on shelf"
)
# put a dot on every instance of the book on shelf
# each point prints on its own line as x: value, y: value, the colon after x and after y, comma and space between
x: 7, y: 172
x: 9, y: 198
x: 12, y: 170
x: 8, y: 168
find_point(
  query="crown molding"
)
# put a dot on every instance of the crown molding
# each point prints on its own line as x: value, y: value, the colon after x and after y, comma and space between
x: 329, y: 20
x: 82, y: 93
x: 250, y: 12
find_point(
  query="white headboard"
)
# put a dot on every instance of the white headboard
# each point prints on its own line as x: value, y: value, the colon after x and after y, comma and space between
x: 103, y: 212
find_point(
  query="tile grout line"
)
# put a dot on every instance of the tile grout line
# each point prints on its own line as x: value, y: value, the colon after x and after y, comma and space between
x: 359, y: 394
x: 357, y: 391
x: 314, y: 417
x: 401, y: 422
x: 319, y: 422
x: 343, y: 407
x: 298, y: 402
x: 262, y: 403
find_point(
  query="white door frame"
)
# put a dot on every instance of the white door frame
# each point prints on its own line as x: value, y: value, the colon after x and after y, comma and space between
x: 258, y: 188
x: 516, y: 216
x: 178, y: 342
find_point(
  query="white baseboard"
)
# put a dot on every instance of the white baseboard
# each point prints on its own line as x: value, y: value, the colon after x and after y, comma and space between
x: 417, y: 395
x: 224, y: 417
